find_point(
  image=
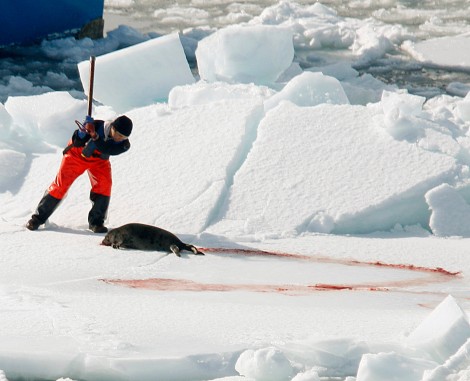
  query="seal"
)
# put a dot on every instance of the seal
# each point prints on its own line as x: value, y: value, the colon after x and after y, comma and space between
x: 146, y: 237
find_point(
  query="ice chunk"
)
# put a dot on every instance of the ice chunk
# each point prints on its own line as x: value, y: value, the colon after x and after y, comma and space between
x: 258, y: 54
x: 401, y: 104
x: 310, y: 89
x: 12, y: 164
x: 321, y: 356
x: 49, y: 116
x: 451, y: 51
x: 443, y: 332
x: 450, y: 213
x: 267, y: 364
x: 138, y: 75
x: 5, y: 121
x: 309, y: 375
x: 2, y: 376
x: 401, y: 112
x: 334, y: 168
x: 462, y: 109
x: 458, y: 363
x: 392, y: 367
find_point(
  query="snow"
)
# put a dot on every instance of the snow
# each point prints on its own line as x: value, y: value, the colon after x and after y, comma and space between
x: 309, y: 89
x: 333, y: 210
x: 264, y: 364
x: 448, y: 209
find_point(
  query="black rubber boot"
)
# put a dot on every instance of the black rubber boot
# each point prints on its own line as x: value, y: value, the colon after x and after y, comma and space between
x: 45, y: 208
x: 98, y: 212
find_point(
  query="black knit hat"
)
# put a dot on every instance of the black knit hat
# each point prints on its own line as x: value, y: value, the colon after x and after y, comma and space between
x: 123, y: 125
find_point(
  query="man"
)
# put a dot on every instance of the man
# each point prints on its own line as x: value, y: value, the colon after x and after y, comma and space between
x: 88, y: 150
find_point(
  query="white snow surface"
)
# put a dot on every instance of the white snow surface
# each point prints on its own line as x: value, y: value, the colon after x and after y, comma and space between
x: 335, y: 230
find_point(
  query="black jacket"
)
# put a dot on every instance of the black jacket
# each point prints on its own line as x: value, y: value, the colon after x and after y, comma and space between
x: 102, y: 147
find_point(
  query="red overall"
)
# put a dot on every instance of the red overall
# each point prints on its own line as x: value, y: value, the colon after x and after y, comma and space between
x: 73, y: 165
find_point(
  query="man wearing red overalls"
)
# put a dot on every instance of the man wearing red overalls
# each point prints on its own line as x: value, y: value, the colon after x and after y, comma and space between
x: 88, y: 150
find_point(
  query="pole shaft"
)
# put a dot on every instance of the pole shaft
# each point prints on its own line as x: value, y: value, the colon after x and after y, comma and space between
x: 92, y: 79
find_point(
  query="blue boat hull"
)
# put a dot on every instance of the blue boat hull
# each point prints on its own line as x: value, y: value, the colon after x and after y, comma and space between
x: 27, y: 21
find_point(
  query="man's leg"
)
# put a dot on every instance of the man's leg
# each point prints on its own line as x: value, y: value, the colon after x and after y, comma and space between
x: 100, y: 195
x: 98, y: 212
x: 70, y: 168
x: 45, y: 208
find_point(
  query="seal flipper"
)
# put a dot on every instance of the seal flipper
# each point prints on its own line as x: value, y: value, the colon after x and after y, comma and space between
x: 194, y: 250
x: 175, y: 249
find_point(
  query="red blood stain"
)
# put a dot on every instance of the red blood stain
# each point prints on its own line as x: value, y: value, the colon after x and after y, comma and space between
x: 439, y: 270
x: 321, y: 259
x: 164, y: 284
x: 436, y: 275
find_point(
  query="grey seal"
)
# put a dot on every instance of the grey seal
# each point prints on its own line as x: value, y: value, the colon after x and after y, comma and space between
x: 146, y: 237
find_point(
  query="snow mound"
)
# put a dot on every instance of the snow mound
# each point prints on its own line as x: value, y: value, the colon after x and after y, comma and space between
x: 267, y: 364
x: 309, y: 89
x: 450, y: 212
